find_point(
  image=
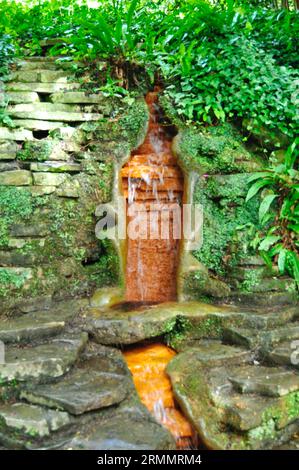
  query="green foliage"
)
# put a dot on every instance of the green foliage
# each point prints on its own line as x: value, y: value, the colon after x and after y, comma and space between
x: 6, y: 54
x: 223, y: 217
x: 278, y: 239
x: 218, y: 62
x: 9, y: 280
x: 177, y: 330
x: 15, y: 203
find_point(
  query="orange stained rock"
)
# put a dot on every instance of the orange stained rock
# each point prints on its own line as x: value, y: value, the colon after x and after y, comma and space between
x: 152, y: 174
x: 147, y: 365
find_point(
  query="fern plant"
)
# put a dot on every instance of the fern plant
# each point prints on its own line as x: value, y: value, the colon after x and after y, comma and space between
x: 278, y: 240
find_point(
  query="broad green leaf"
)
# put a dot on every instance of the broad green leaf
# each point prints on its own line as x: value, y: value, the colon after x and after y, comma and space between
x: 255, y: 188
x: 282, y: 260
x: 265, y: 205
x: 268, y: 241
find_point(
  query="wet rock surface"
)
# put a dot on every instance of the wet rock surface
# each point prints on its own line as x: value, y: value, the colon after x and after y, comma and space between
x: 95, y: 383
x: 246, y: 401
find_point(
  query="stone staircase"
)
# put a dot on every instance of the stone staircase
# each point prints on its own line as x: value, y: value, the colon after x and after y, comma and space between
x: 58, y: 390
x: 248, y: 400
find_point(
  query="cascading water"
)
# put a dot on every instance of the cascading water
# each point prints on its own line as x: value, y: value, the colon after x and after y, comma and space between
x: 152, y: 178
x: 147, y: 365
x: 153, y: 181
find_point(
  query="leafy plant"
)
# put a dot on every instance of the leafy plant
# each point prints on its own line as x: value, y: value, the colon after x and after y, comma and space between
x: 279, y: 213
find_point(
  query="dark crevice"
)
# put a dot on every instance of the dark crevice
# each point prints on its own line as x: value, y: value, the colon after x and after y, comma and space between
x: 40, y: 134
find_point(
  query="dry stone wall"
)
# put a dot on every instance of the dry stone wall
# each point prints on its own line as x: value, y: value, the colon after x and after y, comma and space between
x: 50, y: 184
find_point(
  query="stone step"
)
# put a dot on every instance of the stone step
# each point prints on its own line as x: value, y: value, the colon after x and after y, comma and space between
x: 212, y: 353
x: 285, y: 333
x: 285, y: 353
x: 245, y: 337
x: 56, y: 167
x: 64, y: 116
x: 51, y: 107
x: 264, y: 319
x: 44, y: 88
x: 43, y: 362
x: 98, y: 382
x: 43, y: 63
x: 224, y: 418
x: 30, y: 327
x: 31, y: 421
x: 40, y: 323
x: 268, y: 381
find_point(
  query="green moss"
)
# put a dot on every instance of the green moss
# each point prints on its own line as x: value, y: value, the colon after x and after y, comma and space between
x: 15, y: 204
x: 210, y: 327
x: 39, y: 151
x: 223, y: 243
x: 252, y: 279
x: 128, y: 129
x: 266, y: 431
x: 10, y: 281
x: 176, y: 329
x: 206, y: 151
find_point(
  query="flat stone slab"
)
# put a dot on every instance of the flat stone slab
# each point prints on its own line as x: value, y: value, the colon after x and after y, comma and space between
x: 78, y: 97
x: 56, y: 167
x: 39, y: 324
x: 17, y: 97
x: 29, y: 327
x: 286, y: 353
x: 39, y: 87
x: 15, y: 178
x: 43, y: 362
x: 31, y: 420
x: 52, y: 112
x: 289, y: 332
x: 212, y: 353
x: 245, y: 337
x: 268, y: 381
x: 123, y: 432
x: 224, y: 418
x: 115, y: 326
x: 35, y: 125
x: 264, y: 319
x: 15, y: 134
x: 96, y: 383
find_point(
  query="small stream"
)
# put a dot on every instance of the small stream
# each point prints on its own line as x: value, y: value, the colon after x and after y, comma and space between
x: 147, y: 364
